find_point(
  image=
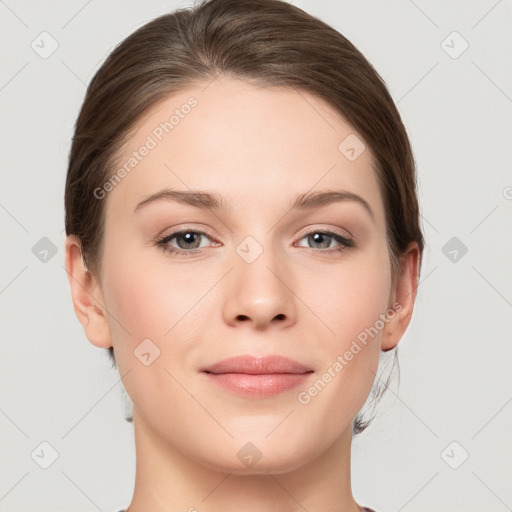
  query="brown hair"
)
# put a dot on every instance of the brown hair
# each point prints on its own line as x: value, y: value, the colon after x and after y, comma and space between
x: 269, y: 42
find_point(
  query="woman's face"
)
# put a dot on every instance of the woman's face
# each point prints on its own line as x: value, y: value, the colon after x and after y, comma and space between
x: 254, y: 276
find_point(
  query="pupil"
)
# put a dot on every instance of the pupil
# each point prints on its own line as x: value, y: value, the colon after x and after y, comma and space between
x: 188, y: 238
x: 319, y: 238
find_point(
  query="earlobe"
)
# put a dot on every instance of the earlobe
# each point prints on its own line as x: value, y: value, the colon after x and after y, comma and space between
x: 86, y: 295
x: 403, y: 297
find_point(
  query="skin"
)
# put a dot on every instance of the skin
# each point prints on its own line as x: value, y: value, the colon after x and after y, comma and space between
x: 259, y: 148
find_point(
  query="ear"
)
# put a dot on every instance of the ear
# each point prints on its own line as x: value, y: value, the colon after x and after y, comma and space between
x: 403, y: 296
x: 87, y: 296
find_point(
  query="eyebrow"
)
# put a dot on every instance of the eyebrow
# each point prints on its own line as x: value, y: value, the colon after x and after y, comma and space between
x: 194, y: 198
x: 212, y: 201
x: 317, y: 199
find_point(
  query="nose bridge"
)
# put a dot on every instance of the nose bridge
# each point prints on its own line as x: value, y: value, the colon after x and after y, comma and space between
x: 259, y: 287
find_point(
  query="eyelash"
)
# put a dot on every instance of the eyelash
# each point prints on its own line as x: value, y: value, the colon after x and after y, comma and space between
x: 163, y: 242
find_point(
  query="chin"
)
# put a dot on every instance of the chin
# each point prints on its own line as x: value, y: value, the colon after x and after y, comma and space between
x: 259, y: 458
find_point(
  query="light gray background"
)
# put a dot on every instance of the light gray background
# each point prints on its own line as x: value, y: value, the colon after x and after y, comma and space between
x: 456, y: 355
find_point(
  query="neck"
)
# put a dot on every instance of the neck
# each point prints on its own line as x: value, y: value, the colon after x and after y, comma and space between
x: 166, y: 481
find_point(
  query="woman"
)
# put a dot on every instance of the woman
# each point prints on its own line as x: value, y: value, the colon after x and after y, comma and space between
x: 243, y: 237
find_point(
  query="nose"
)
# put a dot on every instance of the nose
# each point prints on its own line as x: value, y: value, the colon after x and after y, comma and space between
x: 260, y: 293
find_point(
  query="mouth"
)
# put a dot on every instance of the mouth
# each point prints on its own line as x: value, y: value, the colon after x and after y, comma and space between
x: 255, y: 377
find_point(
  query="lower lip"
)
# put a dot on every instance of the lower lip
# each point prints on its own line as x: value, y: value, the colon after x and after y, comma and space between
x: 258, y: 386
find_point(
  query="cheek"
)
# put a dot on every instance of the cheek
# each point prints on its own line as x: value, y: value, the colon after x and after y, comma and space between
x: 148, y: 298
x: 350, y: 300
x: 350, y: 303
x: 149, y: 302
x: 350, y: 297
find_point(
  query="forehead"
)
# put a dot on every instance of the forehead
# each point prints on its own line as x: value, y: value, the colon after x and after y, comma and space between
x: 251, y: 144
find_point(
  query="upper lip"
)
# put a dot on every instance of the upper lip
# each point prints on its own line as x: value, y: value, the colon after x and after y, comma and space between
x: 257, y: 365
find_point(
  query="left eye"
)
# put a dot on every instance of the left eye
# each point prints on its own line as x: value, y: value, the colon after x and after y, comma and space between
x: 324, y: 239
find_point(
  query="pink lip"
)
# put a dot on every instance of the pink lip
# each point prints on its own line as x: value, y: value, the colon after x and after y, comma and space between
x: 257, y: 377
